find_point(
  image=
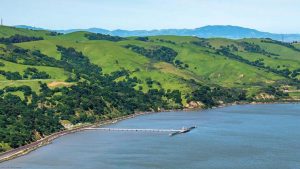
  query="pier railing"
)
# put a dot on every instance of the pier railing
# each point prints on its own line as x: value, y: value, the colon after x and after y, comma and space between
x: 130, y: 129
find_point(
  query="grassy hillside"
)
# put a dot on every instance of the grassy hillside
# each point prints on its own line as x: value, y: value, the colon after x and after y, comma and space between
x: 48, y: 79
x: 204, y: 65
x: 6, y: 31
x: 57, y: 74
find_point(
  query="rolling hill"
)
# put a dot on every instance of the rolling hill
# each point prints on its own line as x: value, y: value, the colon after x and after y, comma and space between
x: 212, y: 31
x: 50, y: 81
x: 203, y: 62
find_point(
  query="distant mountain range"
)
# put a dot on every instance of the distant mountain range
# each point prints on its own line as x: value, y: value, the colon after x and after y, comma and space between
x: 221, y: 31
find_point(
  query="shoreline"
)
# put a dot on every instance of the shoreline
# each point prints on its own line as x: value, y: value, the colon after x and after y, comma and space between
x: 23, y: 150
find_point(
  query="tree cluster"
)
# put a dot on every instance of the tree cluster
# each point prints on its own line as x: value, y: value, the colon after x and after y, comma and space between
x: 214, y: 96
x: 225, y: 51
x: 54, y: 33
x: 24, y: 56
x: 19, y: 38
x: 144, y: 39
x: 274, y: 91
x: 180, y: 64
x: 288, y: 45
x: 251, y: 47
x: 34, y: 73
x: 202, y: 43
x: 159, y: 53
x: 29, y: 73
x: 11, y: 75
x: 99, y: 36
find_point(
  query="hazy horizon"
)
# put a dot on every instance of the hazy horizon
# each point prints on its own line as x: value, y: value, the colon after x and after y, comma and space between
x: 145, y: 29
x: 267, y: 15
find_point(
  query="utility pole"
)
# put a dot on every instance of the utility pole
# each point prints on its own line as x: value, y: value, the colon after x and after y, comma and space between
x: 1, y: 22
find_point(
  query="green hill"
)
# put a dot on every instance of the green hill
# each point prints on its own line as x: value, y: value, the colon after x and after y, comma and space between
x: 48, y: 79
x: 6, y: 31
x: 204, y: 65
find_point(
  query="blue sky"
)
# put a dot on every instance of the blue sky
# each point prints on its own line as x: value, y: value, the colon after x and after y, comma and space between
x: 279, y: 16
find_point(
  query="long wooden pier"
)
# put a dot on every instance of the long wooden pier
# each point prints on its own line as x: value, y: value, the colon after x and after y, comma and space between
x: 141, y: 130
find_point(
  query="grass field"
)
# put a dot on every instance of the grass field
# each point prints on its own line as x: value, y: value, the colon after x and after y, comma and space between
x: 203, y: 66
x: 6, y: 31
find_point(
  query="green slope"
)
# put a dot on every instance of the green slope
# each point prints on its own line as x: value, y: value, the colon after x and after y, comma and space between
x: 204, y: 65
x: 57, y: 74
x: 6, y: 31
x: 187, y: 71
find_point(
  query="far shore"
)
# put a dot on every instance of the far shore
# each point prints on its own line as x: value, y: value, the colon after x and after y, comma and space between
x: 23, y: 150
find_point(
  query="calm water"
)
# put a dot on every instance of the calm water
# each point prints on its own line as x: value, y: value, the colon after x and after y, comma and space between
x: 241, y: 137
